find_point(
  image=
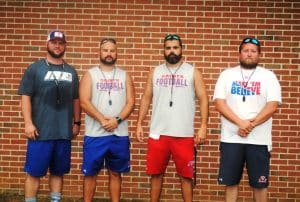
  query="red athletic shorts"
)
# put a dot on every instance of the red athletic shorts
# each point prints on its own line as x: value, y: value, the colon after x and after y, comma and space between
x: 160, y: 151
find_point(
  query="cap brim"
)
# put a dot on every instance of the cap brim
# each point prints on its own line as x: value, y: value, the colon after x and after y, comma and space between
x: 58, y: 38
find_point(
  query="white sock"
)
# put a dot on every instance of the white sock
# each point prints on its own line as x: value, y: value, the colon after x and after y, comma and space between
x: 55, y: 196
x: 30, y: 199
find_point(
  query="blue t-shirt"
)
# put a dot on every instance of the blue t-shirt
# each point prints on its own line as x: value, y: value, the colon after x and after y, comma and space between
x: 52, y: 89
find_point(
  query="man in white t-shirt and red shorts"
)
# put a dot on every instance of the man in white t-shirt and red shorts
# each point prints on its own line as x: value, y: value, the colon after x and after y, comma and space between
x: 246, y: 96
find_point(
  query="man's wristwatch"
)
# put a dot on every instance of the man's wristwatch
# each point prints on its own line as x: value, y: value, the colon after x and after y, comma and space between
x: 77, y: 123
x: 119, y: 120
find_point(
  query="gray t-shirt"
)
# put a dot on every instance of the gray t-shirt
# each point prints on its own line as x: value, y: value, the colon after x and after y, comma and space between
x: 52, y: 89
x: 109, y: 104
x: 176, y: 120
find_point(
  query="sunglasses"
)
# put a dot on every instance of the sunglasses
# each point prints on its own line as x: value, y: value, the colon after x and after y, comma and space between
x: 172, y: 37
x: 251, y: 40
x: 106, y: 40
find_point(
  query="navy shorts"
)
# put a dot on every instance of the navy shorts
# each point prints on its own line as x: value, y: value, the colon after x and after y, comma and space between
x: 233, y: 158
x: 54, y: 155
x: 113, y: 151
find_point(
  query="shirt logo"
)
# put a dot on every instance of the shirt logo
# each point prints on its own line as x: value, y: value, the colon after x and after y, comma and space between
x: 109, y: 85
x: 242, y: 88
x: 166, y: 81
x: 58, y: 75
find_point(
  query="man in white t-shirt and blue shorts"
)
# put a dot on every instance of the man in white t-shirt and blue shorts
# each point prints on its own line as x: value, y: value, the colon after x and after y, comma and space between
x: 246, y: 96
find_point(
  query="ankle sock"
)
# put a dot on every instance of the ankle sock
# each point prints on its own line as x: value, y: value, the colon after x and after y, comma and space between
x: 30, y: 199
x: 55, y: 196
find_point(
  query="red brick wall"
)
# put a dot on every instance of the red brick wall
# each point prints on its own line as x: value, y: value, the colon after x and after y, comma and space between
x: 211, y: 32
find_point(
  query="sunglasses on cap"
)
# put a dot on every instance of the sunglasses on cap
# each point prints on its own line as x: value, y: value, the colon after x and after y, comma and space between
x: 251, y: 40
x: 172, y: 37
x: 106, y: 40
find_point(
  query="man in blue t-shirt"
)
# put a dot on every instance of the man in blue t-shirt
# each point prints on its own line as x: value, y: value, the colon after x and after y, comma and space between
x: 51, y: 111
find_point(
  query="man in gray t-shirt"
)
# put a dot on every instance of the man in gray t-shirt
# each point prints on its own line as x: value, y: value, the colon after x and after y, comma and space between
x: 51, y: 111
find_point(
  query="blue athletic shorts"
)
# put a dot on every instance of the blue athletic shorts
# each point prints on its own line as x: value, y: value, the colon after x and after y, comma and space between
x: 54, y: 155
x: 233, y: 158
x: 113, y: 151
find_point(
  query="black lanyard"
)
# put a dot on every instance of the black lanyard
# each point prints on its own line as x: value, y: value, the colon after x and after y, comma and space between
x: 108, y: 86
x: 56, y: 81
x: 245, y: 85
x: 173, y: 77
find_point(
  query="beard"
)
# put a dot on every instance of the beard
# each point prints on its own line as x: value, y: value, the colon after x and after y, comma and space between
x: 54, y: 55
x: 173, y: 58
x: 248, y: 65
x: 108, y: 62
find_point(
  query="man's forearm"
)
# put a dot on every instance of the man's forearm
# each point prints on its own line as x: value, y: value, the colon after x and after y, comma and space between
x: 266, y: 113
x: 26, y: 109
x: 76, y: 110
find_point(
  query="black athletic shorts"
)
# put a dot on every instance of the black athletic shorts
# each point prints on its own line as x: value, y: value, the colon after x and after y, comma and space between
x: 233, y: 158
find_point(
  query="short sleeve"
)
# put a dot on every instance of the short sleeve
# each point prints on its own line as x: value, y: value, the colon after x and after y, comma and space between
x: 27, y: 83
x: 76, y: 86
x: 220, y: 88
x: 274, y: 89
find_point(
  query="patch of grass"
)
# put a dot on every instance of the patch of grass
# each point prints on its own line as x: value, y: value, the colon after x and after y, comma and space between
x: 11, y: 197
x: 14, y: 197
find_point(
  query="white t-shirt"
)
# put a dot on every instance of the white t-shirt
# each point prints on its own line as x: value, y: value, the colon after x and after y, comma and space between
x: 262, y: 87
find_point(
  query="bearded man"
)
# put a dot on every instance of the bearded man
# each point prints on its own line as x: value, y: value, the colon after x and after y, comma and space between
x: 51, y: 111
x: 107, y: 97
x: 172, y: 87
x: 246, y: 96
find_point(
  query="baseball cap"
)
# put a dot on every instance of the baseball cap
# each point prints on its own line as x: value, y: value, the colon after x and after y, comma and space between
x: 56, y: 35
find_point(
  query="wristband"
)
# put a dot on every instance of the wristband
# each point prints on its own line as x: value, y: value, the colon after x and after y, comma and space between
x: 77, y: 123
x: 119, y: 120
